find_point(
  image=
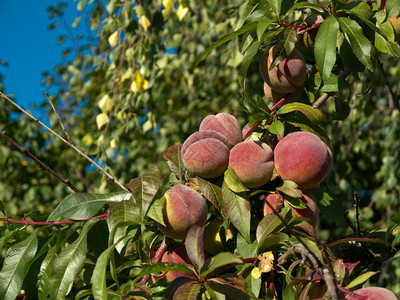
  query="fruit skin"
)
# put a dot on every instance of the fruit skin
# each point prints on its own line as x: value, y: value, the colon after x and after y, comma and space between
x: 310, y: 211
x: 371, y: 293
x: 225, y: 124
x: 395, y: 22
x: 176, y: 253
x: 308, y: 37
x: 183, y: 208
x: 288, y: 75
x: 206, y: 153
x: 252, y: 162
x: 275, y: 96
x: 212, y: 237
x: 303, y: 158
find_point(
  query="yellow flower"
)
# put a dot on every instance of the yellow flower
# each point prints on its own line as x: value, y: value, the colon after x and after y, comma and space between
x: 144, y: 22
x: 113, y: 39
x: 183, y: 9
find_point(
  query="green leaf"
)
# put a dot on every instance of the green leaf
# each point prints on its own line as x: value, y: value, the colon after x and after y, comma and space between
x: 360, y: 279
x: 230, y: 290
x: 155, y: 211
x: 393, y: 223
x: 174, y: 160
x: 184, y: 289
x: 248, y: 57
x: 163, y: 267
x: 82, y: 206
x: 226, y: 38
x: 304, y: 5
x: 276, y: 6
x: 99, y: 284
x: 17, y: 258
x: 342, y: 109
x: 144, y: 189
x: 289, y: 188
x: 285, y: 47
x: 233, y: 182
x: 313, y: 114
x: 271, y: 223
x: 261, y: 27
x: 222, y: 259
x: 68, y: 264
x: 392, y: 7
x: 361, y: 45
x: 272, y: 241
x: 195, y: 247
x: 211, y: 192
x: 360, y: 10
x: 237, y: 209
x: 325, y: 46
x: 245, y: 249
x: 277, y: 128
x: 247, y: 10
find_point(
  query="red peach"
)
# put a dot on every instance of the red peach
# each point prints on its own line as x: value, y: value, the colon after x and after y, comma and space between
x: 225, y: 124
x: 303, y: 158
x: 371, y: 293
x: 176, y: 253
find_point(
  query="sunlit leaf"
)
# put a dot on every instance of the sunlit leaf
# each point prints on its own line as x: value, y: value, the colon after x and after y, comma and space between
x: 194, y: 246
x: 223, y: 259
x: 313, y: 114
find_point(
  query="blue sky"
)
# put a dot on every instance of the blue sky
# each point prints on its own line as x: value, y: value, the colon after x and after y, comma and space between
x: 29, y: 47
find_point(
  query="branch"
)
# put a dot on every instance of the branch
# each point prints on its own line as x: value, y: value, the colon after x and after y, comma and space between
x: 39, y: 162
x: 51, y: 223
x: 317, y: 103
x: 58, y: 117
x: 110, y: 177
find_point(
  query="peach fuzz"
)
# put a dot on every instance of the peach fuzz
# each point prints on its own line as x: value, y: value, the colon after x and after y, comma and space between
x: 288, y: 75
x: 176, y: 253
x: 206, y: 153
x: 303, y: 158
x: 183, y: 208
x: 225, y: 124
x: 252, y: 162
x: 371, y: 293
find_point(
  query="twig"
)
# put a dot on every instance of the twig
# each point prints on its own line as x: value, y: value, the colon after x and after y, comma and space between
x: 110, y: 177
x: 357, y: 202
x: 58, y: 117
x: 39, y: 162
x: 394, y: 96
x: 348, y: 221
x: 51, y: 223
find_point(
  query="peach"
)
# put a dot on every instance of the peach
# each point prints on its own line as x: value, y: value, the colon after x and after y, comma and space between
x: 303, y: 158
x: 288, y: 75
x: 273, y: 200
x: 183, y: 208
x: 225, y: 124
x: 371, y: 293
x: 252, y: 162
x: 308, y: 37
x: 212, y: 237
x: 176, y: 253
x: 275, y: 96
x: 206, y: 153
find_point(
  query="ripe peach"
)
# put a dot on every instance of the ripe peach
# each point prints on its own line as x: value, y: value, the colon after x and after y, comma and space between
x: 303, y: 158
x: 183, y: 208
x: 252, y: 162
x: 288, y: 75
x: 206, y: 153
x: 371, y: 293
x: 225, y: 124
x: 176, y: 253
x: 275, y: 96
x: 273, y: 200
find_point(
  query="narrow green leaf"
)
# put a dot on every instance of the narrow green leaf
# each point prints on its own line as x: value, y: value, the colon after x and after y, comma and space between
x: 237, y: 209
x: 392, y: 7
x: 360, y: 10
x: 68, y: 264
x: 248, y: 8
x: 248, y: 57
x: 220, y: 260
x: 272, y: 242
x: 145, y: 188
x: 261, y: 27
x: 342, y: 109
x: 285, y: 47
x: 277, y: 128
x: 163, y: 267
x: 360, y: 44
x: 312, y: 114
x: 325, y: 46
x: 194, y: 246
x: 211, y: 192
x: 82, y: 206
x: 360, y: 279
x: 276, y: 6
x: 17, y: 257
x: 187, y: 290
x: 230, y: 290
x: 393, y: 223
x: 155, y: 211
x: 233, y: 182
x: 304, y: 5
x: 174, y: 160
x: 271, y: 223
x: 226, y: 38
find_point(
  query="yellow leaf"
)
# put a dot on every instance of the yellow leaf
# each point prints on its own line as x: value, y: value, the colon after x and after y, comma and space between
x: 138, y: 83
x: 182, y: 11
x: 101, y: 120
x: 105, y: 103
x: 266, y: 261
x: 113, y: 143
x: 87, y: 139
x: 145, y: 84
x: 168, y: 4
x: 25, y: 163
x: 256, y: 273
x: 145, y: 22
x: 170, y: 101
x: 113, y: 39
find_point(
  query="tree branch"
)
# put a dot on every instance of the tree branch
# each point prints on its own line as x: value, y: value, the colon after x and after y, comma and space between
x: 39, y: 162
x: 58, y: 117
x: 109, y: 176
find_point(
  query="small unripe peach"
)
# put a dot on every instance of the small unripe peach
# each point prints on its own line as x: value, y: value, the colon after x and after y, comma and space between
x: 225, y: 124
x: 371, y: 293
x: 176, y: 253
x: 287, y: 75
x: 183, y: 208
x: 303, y: 158
x: 206, y: 153
x: 212, y: 237
x: 252, y: 162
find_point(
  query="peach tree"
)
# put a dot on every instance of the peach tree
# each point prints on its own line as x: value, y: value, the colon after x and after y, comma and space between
x: 233, y: 210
